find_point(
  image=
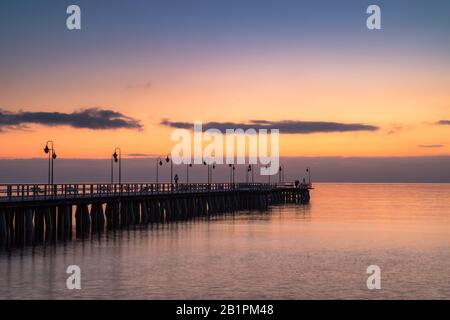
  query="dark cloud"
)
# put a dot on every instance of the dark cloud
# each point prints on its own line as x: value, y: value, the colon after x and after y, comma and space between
x: 92, y: 118
x: 430, y: 145
x: 285, y: 126
x: 443, y: 122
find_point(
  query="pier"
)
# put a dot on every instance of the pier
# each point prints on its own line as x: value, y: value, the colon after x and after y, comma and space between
x: 41, y: 214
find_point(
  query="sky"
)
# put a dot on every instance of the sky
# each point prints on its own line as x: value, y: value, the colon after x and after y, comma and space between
x: 138, y: 69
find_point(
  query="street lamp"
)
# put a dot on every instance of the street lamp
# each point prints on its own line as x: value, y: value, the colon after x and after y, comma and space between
x: 308, y: 170
x: 232, y: 169
x: 209, y: 167
x: 212, y: 168
x: 267, y: 167
x: 51, y: 156
x: 280, y: 171
x: 117, y: 158
x: 249, y: 169
x: 158, y: 163
x: 171, y: 168
x: 187, y: 172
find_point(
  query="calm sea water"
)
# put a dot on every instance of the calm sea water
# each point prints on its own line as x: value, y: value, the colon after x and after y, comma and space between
x: 290, y: 252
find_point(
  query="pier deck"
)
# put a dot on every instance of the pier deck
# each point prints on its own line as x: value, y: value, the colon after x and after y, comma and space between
x: 33, y: 214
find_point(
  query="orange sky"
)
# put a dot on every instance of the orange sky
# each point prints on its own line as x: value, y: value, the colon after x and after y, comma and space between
x: 295, y: 62
x: 404, y: 102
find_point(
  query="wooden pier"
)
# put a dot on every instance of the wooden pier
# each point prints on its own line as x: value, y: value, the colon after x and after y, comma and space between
x: 33, y: 214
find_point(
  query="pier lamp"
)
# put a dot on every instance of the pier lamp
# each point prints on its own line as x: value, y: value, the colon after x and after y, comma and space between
x: 280, y: 170
x: 232, y: 170
x: 117, y: 158
x: 171, y: 168
x: 211, y: 176
x: 50, y: 150
x: 249, y: 169
x: 187, y: 172
x: 209, y: 168
x: 158, y: 163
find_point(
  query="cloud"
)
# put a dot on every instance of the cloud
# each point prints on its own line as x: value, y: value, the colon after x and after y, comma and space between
x: 91, y: 118
x: 395, y: 128
x: 430, y: 145
x: 138, y: 86
x: 444, y: 122
x: 285, y: 126
x: 138, y: 155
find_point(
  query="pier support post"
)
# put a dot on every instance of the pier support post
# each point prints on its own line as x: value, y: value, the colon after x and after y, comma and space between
x: 29, y: 226
x: 3, y: 228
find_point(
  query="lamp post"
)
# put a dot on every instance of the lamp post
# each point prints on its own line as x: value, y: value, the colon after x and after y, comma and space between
x: 187, y: 172
x: 308, y: 170
x: 280, y: 171
x: 117, y: 158
x: 249, y: 169
x: 232, y: 169
x: 211, y: 175
x: 51, y: 156
x: 171, y: 168
x: 158, y: 163
x: 209, y: 167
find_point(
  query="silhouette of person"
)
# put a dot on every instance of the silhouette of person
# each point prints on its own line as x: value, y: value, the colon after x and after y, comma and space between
x: 176, y: 179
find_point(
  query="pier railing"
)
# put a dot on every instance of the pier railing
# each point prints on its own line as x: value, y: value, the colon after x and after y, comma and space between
x: 24, y: 192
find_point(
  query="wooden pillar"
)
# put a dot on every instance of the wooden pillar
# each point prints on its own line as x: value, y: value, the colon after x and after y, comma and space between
x: 3, y: 228
x: 116, y: 214
x: 86, y: 220
x: 109, y: 216
x: 29, y: 226
x: 19, y: 227
x: 94, y: 217
x: 67, y: 222
x: 39, y: 226
x: 78, y: 221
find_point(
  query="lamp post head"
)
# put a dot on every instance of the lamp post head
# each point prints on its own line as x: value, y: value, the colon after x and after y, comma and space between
x: 214, y: 166
x: 160, y: 163
x: 167, y: 159
x: 204, y: 162
x: 190, y: 165
x: 46, y: 149
x: 115, y: 156
x: 54, y: 155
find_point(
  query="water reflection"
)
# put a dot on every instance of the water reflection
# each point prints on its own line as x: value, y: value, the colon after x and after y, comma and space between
x: 296, y: 252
